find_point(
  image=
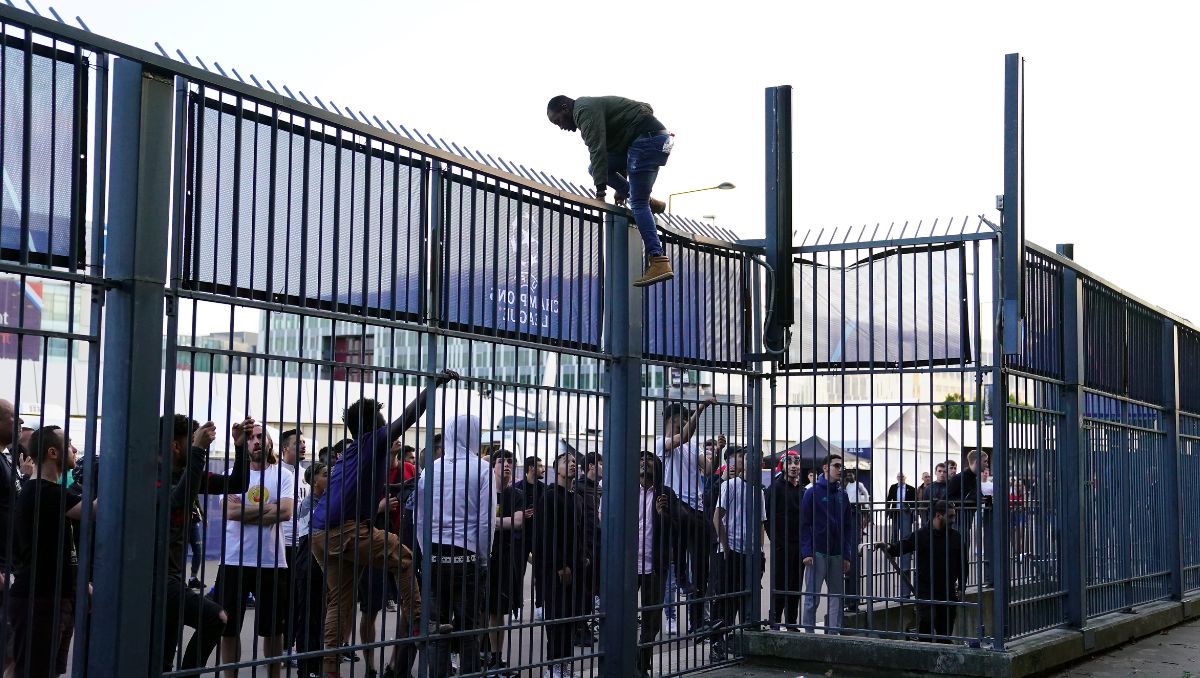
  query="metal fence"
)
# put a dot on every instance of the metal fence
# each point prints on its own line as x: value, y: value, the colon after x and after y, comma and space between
x: 583, y: 494
x: 245, y: 255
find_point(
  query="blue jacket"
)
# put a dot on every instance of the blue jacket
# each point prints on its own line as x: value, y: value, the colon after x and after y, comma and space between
x: 827, y: 521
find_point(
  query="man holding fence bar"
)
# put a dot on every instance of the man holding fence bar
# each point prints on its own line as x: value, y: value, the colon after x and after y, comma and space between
x: 939, y: 550
x: 827, y: 538
x: 343, y: 538
x: 624, y: 140
x: 683, y: 470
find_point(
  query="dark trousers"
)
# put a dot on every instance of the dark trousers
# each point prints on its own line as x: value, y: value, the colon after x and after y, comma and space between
x: 935, y: 619
x: 855, y: 561
x: 42, y: 628
x: 563, y: 601
x: 196, y: 544
x: 787, y: 582
x: 652, y: 588
x: 456, y: 598
x: 733, y: 602
x: 692, y: 546
x: 186, y: 607
x: 308, y: 599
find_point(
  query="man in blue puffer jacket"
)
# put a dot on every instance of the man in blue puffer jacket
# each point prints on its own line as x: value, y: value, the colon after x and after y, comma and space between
x: 827, y: 521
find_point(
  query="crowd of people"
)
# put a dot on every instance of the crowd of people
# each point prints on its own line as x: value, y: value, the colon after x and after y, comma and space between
x: 320, y: 549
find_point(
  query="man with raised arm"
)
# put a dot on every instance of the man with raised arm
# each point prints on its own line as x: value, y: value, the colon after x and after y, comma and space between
x: 624, y: 139
x: 343, y: 537
x: 684, y: 468
x: 190, y: 478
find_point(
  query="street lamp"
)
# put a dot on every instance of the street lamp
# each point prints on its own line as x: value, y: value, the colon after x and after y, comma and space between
x: 723, y: 186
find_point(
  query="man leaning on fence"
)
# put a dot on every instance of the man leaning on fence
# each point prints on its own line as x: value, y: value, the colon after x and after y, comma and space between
x: 938, y: 547
x: 343, y: 538
x: 827, y: 539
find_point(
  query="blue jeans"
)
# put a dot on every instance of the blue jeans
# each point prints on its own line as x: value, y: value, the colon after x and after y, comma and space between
x: 641, y: 165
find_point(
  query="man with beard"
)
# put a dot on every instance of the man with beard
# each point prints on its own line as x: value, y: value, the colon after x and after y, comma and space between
x: 255, y: 562
x: 939, y: 550
x: 41, y: 604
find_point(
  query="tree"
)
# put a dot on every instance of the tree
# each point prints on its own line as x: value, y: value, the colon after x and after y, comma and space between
x: 954, y: 407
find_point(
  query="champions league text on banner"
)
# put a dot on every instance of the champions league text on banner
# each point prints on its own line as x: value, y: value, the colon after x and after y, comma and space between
x: 360, y: 197
x: 700, y: 314
x: 521, y: 267
x: 57, y: 97
x: 878, y: 311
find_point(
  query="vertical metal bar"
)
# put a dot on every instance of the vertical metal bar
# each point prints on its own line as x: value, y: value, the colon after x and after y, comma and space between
x: 779, y: 210
x: 99, y: 185
x: 1074, y: 482
x: 139, y: 197
x: 1012, y: 236
x: 1172, y: 526
x: 753, y: 476
x: 999, y: 461
x: 618, y: 585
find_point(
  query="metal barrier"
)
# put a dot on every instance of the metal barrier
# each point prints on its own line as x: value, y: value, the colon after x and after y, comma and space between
x: 883, y: 386
x: 316, y: 274
x: 590, y: 476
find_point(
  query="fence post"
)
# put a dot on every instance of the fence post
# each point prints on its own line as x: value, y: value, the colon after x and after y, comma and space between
x: 622, y: 446
x: 1071, y: 455
x: 138, y: 200
x: 1172, y: 526
x: 753, y: 474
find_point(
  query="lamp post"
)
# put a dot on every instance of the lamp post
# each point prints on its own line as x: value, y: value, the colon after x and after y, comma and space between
x: 723, y: 186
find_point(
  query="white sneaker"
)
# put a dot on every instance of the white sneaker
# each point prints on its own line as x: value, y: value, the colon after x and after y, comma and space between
x: 538, y: 614
x: 672, y: 626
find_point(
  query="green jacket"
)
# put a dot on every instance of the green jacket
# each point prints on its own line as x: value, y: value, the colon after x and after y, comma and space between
x: 608, y: 125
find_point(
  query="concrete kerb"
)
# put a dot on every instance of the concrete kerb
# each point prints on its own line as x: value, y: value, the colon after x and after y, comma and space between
x: 1030, y: 656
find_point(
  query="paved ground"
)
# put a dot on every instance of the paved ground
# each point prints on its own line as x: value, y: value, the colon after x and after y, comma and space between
x: 1174, y: 653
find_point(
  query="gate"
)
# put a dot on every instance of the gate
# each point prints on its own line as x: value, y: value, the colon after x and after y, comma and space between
x: 883, y: 392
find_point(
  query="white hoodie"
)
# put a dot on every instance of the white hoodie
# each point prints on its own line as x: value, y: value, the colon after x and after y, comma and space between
x: 462, y: 510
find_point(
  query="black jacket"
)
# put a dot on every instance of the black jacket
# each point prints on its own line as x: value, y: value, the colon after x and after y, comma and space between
x: 963, y: 489
x: 556, y: 534
x: 587, y: 494
x: 783, y: 513
x: 939, y: 561
x: 533, y: 497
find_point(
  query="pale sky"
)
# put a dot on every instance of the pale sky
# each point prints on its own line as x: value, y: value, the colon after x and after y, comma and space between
x: 897, y: 106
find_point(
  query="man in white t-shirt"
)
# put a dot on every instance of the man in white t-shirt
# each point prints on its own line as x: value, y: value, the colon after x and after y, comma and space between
x: 733, y: 521
x: 684, y: 471
x: 254, y: 559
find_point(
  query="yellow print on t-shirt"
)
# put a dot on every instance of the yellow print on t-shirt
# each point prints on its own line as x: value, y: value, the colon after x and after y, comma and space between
x: 258, y: 494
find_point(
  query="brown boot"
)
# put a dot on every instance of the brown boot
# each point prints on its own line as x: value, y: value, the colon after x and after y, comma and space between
x: 658, y: 271
x: 657, y: 206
